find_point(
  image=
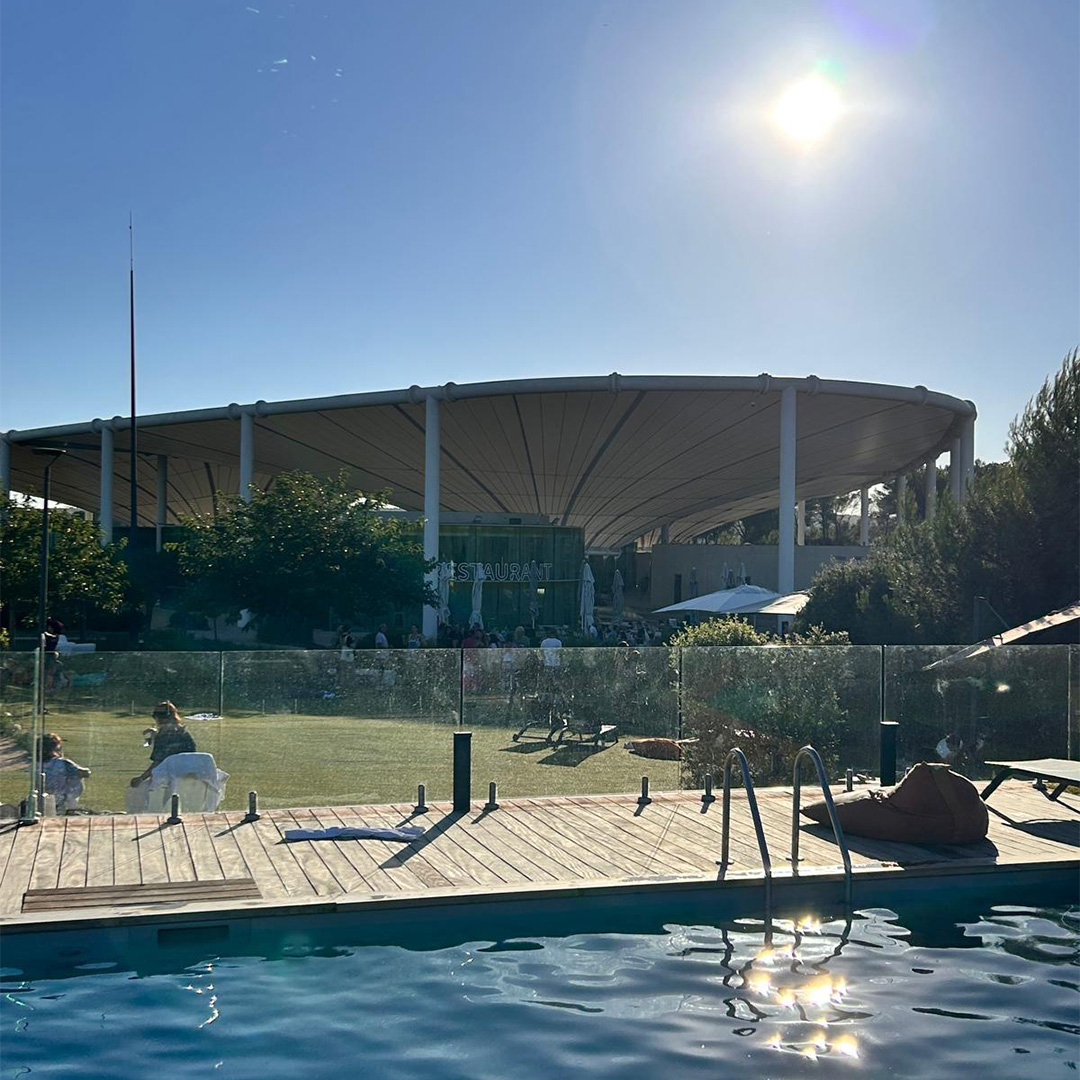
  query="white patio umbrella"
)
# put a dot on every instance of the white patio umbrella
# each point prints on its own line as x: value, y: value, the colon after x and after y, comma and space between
x: 743, y: 598
x: 446, y: 573
x: 477, y: 617
x: 617, y: 595
x: 588, y: 596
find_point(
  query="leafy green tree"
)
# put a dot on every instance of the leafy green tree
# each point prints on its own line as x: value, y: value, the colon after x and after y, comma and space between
x: 81, y: 572
x: 1014, y: 543
x: 299, y: 550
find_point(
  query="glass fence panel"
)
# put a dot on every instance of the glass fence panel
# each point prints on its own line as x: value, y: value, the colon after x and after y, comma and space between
x: 555, y: 722
x: 16, y: 729
x: 1008, y: 703
x: 101, y: 705
x: 771, y: 701
x: 332, y: 728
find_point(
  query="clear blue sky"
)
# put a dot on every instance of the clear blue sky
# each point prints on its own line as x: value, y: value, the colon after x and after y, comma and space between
x: 470, y: 190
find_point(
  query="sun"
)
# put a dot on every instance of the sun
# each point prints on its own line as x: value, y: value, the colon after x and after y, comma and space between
x: 808, y: 110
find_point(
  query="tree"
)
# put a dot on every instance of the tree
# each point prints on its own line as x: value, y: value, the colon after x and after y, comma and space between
x: 1013, y: 545
x: 81, y: 572
x: 1044, y: 449
x: 299, y: 550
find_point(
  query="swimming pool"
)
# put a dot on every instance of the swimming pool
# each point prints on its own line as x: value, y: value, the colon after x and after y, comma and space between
x: 929, y: 993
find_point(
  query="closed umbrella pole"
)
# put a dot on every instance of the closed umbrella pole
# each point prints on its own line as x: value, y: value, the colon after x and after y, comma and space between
x: 588, y: 596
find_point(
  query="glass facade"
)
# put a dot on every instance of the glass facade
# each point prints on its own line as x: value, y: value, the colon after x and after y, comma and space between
x: 552, y: 554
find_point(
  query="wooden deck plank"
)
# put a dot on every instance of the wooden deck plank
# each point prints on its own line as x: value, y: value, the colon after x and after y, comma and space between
x: 253, y: 853
x: 511, y: 865
x: 572, y: 866
x: 148, y: 832
x: 100, y: 868
x: 127, y: 866
x: 327, y: 868
x: 614, y: 864
x: 369, y: 859
x: 429, y: 854
x: 7, y: 841
x: 469, y: 850
x: 201, y: 848
x: 178, y: 862
x: 293, y: 879
x: 19, y: 869
x: 46, y: 871
x: 490, y: 831
x: 666, y: 828
x: 635, y: 835
x: 75, y: 854
x: 226, y: 850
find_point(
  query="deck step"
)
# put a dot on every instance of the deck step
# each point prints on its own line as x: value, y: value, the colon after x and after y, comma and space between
x: 168, y: 892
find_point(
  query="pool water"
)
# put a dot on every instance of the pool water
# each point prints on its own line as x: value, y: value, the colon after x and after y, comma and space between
x: 929, y: 995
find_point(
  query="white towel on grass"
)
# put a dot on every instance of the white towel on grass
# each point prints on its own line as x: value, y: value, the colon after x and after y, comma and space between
x: 356, y: 832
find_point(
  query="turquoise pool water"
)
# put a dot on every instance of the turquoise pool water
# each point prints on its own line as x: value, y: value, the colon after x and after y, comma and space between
x: 991, y: 993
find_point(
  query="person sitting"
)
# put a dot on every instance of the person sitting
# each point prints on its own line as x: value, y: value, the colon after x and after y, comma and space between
x: 168, y: 738
x: 415, y: 639
x: 63, y: 777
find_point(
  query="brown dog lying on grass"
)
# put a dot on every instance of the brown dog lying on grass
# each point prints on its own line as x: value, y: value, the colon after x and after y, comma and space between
x: 661, y: 749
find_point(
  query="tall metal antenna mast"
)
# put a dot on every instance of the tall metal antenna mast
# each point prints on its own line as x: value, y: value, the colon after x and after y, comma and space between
x: 134, y: 435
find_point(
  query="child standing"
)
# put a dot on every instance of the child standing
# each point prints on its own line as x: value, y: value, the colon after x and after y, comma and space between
x: 63, y: 778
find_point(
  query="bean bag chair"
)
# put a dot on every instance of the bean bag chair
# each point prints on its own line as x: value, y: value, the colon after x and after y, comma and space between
x: 930, y: 805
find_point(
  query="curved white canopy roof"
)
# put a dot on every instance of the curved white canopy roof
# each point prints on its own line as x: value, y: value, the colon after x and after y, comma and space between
x: 617, y: 455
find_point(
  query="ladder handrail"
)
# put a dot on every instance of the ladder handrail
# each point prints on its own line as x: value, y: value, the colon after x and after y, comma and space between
x: 735, y: 754
x: 838, y: 833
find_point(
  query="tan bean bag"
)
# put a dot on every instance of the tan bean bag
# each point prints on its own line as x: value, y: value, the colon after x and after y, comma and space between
x: 930, y: 805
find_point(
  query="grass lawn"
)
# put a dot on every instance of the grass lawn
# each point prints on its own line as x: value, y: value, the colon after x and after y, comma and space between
x: 304, y: 760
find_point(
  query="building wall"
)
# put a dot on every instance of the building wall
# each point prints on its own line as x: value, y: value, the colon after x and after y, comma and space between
x: 707, y: 563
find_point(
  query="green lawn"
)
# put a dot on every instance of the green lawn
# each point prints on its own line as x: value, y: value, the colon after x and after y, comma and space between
x: 305, y: 760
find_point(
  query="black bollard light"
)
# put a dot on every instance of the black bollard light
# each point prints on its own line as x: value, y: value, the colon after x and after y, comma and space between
x: 462, y: 771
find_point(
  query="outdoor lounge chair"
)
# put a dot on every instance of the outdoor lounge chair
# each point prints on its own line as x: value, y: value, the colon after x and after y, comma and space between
x: 591, y: 731
x: 1061, y: 771
x: 541, y: 713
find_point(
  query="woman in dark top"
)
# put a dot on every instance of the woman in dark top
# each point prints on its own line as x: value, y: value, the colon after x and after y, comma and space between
x: 168, y: 738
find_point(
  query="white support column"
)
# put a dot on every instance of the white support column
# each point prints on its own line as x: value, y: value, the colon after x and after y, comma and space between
x: 800, y: 523
x: 105, y: 515
x: 930, y: 490
x: 432, y: 452
x: 785, y: 571
x: 956, y: 471
x: 901, y: 496
x: 247, y: 454
x: 864, y: 516
x: 5, y: 466
x: 967, y: 458
x: 665, y: 534
x: 162, y: 498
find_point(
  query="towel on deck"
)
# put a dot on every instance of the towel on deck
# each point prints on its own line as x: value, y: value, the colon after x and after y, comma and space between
x: 356, y: 832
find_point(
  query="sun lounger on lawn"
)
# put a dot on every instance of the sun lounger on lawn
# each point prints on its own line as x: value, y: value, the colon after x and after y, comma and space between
x: 1061, y: 771
x: 591, y: 731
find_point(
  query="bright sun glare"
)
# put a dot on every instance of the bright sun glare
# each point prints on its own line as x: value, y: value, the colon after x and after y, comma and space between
x: 808, y: 109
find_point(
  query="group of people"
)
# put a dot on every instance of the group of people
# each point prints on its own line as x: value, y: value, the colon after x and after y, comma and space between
x: 64, y: 777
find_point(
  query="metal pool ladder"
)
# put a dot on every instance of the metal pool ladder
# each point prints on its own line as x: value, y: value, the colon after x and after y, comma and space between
x: 766, y: 863
x: 838, y: 833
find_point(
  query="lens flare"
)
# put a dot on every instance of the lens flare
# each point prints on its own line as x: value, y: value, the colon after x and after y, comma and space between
x: 758, y: 981
x: 808, y: 109
x: 847, y: 1045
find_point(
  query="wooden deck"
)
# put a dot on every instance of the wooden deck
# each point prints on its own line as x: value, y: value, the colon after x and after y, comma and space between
x: 526, y: 843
